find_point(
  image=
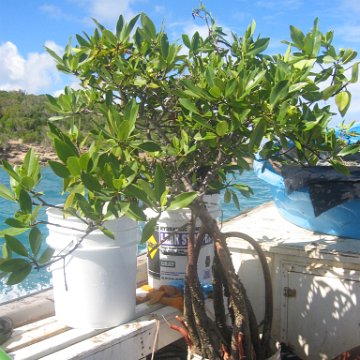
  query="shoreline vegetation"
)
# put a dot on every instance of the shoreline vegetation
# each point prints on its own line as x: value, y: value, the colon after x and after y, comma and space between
x: 14, y: 152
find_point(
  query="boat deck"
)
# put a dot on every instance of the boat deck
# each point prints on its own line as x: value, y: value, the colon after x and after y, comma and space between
x: 48, y: 339
x: 316, y: 281
x: 38, y: 335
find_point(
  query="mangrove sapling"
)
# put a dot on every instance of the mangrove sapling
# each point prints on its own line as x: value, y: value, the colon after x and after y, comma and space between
x: 168, y: 111
x: 216, y: 340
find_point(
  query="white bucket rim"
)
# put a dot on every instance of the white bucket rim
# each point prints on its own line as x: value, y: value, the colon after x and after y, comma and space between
x: 56, y: 216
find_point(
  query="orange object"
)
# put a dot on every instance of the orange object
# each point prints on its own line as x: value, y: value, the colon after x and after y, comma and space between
x: 176, y: 302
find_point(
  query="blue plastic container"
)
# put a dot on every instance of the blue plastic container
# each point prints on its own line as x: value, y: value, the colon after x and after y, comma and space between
x: 342, y: 220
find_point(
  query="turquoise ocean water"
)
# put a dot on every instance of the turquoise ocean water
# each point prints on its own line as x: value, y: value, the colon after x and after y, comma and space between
x: 50, y: 184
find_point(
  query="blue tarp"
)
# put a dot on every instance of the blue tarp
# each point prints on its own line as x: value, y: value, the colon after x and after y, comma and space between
x: 353, y: 136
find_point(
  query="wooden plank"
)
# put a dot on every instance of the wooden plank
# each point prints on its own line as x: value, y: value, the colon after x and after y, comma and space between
x: 26, y: 335
x: 128, y: 340
x: 40, y: 305
x: 29, y: 308
x: 133, y: 340
x: 52, y: 343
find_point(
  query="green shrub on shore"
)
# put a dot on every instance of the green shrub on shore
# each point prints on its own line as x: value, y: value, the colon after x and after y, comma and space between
x: 22, y: 116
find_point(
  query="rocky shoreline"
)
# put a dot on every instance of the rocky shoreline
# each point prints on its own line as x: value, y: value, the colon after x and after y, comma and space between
x: 15, y: 150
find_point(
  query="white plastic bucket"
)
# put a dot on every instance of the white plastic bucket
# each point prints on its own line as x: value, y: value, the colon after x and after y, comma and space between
x: 167, y: 264
x: 95, y: 286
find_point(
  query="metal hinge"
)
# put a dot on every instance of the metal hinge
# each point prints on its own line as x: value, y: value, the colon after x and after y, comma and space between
x: 289, y: 292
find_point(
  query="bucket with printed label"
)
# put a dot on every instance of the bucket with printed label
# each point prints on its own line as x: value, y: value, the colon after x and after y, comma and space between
x: 167, y: 248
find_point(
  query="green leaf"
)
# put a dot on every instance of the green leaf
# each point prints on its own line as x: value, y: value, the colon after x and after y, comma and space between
x: 305, y: 63
x: 279, y: 92
x: 349, y: 55
x: 330, y: 91
x: 245, y: 190
x: 19, y: 275
x: 159, y: 181
x: 128, y: 125
x: 189, y: 105
x: 164, y: 198
x: 150, y: 146
x: 91, y: 182
x: 227, y: 196
x: 54, y: 55
x: 258, y: 46
x: 73, y: 165
x: 11, y: 265
x: 342, y: 101
x: 146, y: 188
x: 10, y: 170
x: 215, y: 92
x: 25, y: 201
x: 257, y: 134
x: 59, y: 169
x: 164, y: 46
x: 31, y: 164
x: 297, y: 86
x: 182, y: 200
x: 126, y: 31
x: 297, y: 37
x: 6, y: 252
x: 354, y: 73
x: 148, y: 26
x: 349, y: 150
x: 82, y: 41
x: 236, y: 200
x: 119, y: 25
x: 107, y: 232
x: 27, y: 182
x: 16, y: 245
x: 186, y: 41
x: 209, y: 75
x: 46, y: 256
x: 149, y: 229
x: 222, y: 128
x: 138, y: 192
x: 140, y: 81
x: 12, y: 231
x: 35, y: 240
x: 109, y: 37
x: 255, y: 80
x: 6, y: 193
x: 195, y: 42
x: 69, y: 202
x: 341, y: 168
x: 101, y: 27
x: 63, y: 150
x: 15, y: 223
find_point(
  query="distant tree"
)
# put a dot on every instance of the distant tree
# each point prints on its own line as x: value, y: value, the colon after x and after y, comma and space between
x: 23, y: 117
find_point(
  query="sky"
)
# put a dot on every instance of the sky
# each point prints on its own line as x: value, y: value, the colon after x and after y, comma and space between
x: 27, y: 26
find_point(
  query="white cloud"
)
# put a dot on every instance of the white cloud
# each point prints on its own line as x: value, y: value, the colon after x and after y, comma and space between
x: 52, y: 10
x: 106, y: 11
x: 159, y: 9
x: 352, y: 5
x: 350, y: 33
x: 279, y: 4
x: 33, y: 74
x: 192, y: 28
x: 74, y: 85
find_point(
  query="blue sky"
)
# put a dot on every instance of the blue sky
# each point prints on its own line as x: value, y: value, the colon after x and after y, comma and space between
x: 26, y: 26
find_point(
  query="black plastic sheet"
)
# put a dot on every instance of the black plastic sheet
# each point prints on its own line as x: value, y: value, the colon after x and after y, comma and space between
x: 327, y: 187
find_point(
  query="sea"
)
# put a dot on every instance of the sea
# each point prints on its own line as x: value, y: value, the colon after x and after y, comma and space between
x: 51, y: 186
